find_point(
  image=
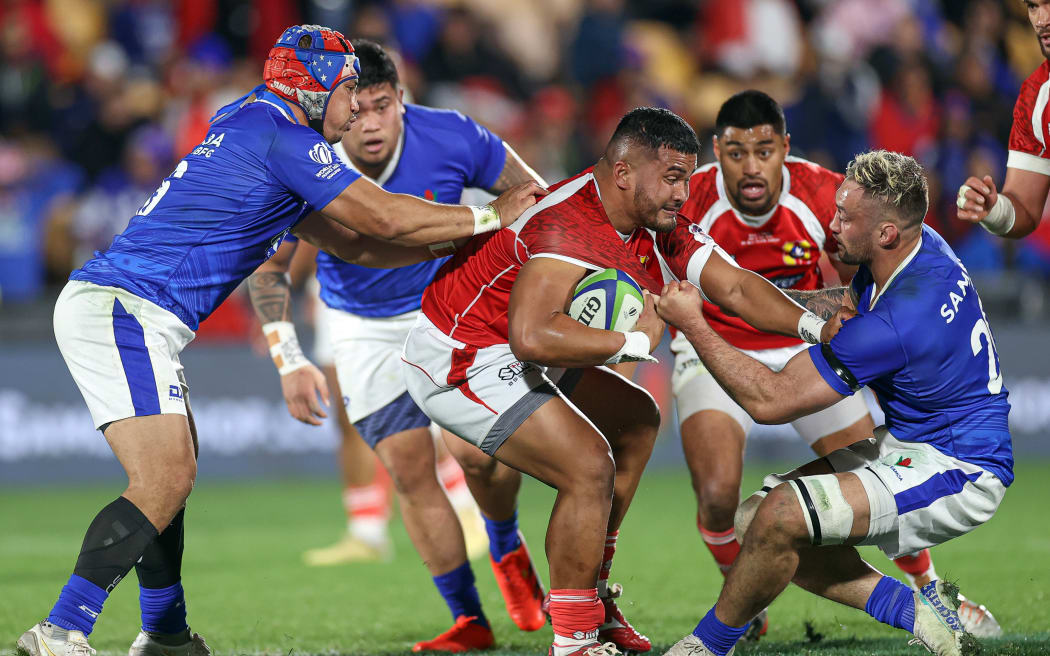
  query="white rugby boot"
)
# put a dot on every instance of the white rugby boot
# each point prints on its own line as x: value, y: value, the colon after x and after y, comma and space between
x: 937, y: 624
x: 978, y: 620
x: 147, y: 645
x: 692, y: 646
x: 46, y: 639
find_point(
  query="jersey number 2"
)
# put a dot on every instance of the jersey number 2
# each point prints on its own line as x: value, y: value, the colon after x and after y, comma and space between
x: 995, y: 376
x: 179, y: 171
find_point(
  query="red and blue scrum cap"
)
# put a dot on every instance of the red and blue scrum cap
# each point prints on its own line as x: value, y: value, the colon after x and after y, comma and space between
x: 307, y: 63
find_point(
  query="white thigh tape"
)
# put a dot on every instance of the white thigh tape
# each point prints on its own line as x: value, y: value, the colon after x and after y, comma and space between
x: 829, y: 517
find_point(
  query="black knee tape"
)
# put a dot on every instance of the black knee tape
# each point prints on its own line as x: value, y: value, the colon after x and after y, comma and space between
x: 161, y: 562
x: 117, y: 537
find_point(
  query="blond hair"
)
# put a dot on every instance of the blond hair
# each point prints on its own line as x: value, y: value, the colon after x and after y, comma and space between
x: 893, y: 179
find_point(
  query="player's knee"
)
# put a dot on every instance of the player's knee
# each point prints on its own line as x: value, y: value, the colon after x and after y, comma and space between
x: 745, y: 514
x: 810, y: 510
x: 477, y: 466
x: 778, y: 517
x: 594, y: 471
x: 718, y: 498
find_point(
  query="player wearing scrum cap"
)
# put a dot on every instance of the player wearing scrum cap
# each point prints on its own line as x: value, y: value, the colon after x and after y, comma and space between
x: 367, y: 314
x: 124, y: 317
x: 939, y: 467
x: 1016, y: 210
x: 494, y: 358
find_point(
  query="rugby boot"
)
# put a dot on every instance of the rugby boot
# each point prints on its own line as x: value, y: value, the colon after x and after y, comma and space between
x: 937, y: 624
x: 464, y: 635
x: 46, y: 639
x: 350, y: 549
x: 593, y: 649
x: 182, y: 644
x: 616, y: 628
x: 757, y: 628
x: 977, y: 620
x: 521, y: 587
x: 692, y: 646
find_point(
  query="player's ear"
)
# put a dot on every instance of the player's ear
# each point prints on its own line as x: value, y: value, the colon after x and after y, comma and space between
x: 888, y: 234
x: 401, y: 97
x: 714, y: 146
x: 787, y: 143
x: 623, y: 175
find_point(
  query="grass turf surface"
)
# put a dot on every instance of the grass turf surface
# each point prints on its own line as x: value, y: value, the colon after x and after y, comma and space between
x: 249, y: 593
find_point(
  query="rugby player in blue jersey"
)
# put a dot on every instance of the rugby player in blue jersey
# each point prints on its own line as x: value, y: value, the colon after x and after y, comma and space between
x: 124, y: 317
x: 434, y: 153
x: 936, y: 470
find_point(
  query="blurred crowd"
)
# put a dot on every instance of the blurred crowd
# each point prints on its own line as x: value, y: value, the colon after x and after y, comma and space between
x: 100, y: 98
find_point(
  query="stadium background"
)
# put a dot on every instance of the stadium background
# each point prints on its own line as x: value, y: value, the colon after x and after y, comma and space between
x: 100, y: 98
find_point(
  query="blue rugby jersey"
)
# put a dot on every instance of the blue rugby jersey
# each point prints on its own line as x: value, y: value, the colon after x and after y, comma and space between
x: 223, y: 211
x: 927, y: 352
x: 441, y: 153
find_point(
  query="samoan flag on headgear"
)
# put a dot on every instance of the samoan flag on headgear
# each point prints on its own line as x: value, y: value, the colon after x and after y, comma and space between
x: 307, y: 63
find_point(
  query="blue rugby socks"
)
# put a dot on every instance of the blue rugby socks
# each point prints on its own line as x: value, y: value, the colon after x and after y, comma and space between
x: 715, y: 635
x: 78, y: 605
x: 893, y: 603
x: 457, y: 588
x: 503, y: 536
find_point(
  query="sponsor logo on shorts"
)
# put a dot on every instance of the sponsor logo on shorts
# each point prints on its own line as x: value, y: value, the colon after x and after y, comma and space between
x: 903, y: 462
x: 175, y: 392
x: 512, y: 372
x: 585, y: 635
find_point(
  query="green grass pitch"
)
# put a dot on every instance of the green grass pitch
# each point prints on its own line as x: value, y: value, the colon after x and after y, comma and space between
x: 248, y: 592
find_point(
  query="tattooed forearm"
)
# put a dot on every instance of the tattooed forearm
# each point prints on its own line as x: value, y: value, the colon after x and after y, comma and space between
x: 821, y: 302
x: 271, y: 296
x: 515, y: 171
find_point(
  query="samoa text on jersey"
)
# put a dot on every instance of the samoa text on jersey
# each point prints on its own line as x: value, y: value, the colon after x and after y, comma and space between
x: 1030, y: 132
x: 470, y: 295
x: 223, y: 211
x: 783, y: 245
x: 923, y: 345
x: 440, y: 153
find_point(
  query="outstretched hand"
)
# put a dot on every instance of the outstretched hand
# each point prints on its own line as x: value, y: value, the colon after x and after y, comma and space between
x: 301, y: 389
x: 512, y: 202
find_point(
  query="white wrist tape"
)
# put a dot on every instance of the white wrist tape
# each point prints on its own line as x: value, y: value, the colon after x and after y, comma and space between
x: 809, y: 327
x: 635, y: 348
x: 486, y: 219
x: 1001, y: 217
x: 284, y: 346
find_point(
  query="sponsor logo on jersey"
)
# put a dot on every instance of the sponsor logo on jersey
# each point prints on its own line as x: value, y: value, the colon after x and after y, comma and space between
x: 699, y: 234
x: 797, y: 253
x: 175, y: 392
x: 275, y: 243
x: 787, y: 282
x: 321, y: 153
x: 428, y: 194
x: 328, y: 172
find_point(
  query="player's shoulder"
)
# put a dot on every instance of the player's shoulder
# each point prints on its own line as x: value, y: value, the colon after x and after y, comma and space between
x: 1039, y: 77
x: 810, y: 176
x: 569, y: 201
x: 441, y: 120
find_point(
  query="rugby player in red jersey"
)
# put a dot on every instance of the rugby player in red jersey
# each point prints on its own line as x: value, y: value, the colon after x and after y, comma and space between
x: 494, y: 358
x: 1015, y: 211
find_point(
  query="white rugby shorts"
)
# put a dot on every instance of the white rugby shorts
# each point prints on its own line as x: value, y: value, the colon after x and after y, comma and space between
x: 480, y: 394
x: 122, y: 350
x: 366, y: 352
x: 918, y: 496
x: 695, y: 389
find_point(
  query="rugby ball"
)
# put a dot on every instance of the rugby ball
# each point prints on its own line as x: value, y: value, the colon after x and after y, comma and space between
x: 608, y: 299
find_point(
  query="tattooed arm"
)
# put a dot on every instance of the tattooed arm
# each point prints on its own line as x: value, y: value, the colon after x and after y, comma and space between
x: 301, y: 382
x: 823, y: 302
x: 515, y: 171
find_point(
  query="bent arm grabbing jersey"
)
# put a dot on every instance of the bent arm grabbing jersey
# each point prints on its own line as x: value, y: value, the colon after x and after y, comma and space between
x: 223, y: 211
x: 923, y: 345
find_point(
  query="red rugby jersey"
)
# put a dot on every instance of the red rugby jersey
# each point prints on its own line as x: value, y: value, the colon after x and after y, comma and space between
x: 470, y: 294
x: 1030, y: 133
x: 784, y: 245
